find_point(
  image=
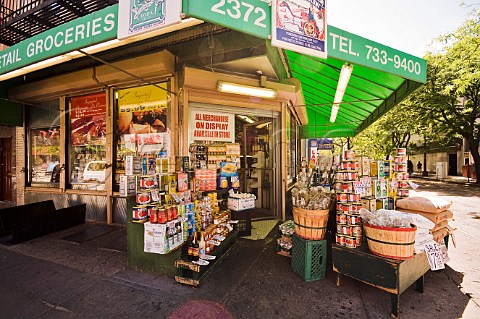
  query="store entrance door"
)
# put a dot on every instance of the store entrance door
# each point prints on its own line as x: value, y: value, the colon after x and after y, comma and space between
x: 257, y: 164
x: 6, y: 169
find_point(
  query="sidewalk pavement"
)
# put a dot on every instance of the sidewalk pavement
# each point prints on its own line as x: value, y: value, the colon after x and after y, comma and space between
x: 447, y: 179
x: 50, y: 277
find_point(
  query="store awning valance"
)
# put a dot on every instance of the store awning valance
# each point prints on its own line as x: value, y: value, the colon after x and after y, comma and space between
x: 373, y: 88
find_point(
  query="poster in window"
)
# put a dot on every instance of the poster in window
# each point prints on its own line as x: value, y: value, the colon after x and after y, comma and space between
x: 143, y: 109
x: 88, y: 119
x: 300, y: 26
x: 212, y: 126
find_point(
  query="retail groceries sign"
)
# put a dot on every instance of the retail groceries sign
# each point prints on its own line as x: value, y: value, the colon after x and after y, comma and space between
x: 139, y: 16
x: 349, y: 47
x: 247, y: 16
x: 91, y: 29
x: 212, y: 126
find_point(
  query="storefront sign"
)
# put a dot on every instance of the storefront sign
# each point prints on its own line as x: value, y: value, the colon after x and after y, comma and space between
x: 212, y: 126
x: 349, y: 47
x: 325, y: 144
x: 88, y: 118
x: 143, y: 109
x: 91, y: 29
x: 139, y: 16
x: 300, y: 26
x: 247, y: 16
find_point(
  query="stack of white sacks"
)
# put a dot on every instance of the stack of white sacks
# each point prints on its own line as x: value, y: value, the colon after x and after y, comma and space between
x: 431, y: 216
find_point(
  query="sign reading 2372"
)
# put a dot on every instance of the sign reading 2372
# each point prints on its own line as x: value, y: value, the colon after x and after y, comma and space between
x: 248, y: 16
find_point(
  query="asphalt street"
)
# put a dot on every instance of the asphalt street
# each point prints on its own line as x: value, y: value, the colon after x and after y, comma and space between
x: 51, y: 277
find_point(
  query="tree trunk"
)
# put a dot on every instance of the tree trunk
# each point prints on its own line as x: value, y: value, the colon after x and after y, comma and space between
x: 476, y: 158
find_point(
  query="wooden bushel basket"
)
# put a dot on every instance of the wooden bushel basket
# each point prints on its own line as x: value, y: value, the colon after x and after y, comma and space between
x: 396, y: 243
x: 310, y: 224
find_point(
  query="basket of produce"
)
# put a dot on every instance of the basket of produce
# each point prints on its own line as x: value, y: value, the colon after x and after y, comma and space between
x: 310, y: 224
x: 310, y: 211
x: 389, y: 234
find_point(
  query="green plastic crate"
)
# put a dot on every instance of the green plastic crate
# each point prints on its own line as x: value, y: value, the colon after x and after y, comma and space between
x: 309, y: 258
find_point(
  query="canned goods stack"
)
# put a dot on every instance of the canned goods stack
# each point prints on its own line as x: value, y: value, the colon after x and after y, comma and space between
x: 349, y: 226
x: 400, y: 169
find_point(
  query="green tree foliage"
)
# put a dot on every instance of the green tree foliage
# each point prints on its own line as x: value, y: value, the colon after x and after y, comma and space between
x: 393, y: 130
x: 445, y: 108
x: 450, y: 100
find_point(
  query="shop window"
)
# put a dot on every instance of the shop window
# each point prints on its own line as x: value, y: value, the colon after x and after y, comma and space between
x: 87, y: 157
x: 44, y: 157
x: 141, y: 126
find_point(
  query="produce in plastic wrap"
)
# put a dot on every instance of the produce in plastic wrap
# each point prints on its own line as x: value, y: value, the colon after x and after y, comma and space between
x: 284, y: 245
x: 314, y: 198
x: 287, y: 228
x: 387, y: 218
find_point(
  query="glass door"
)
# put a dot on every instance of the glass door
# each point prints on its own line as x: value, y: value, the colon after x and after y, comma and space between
x: 258, y: 159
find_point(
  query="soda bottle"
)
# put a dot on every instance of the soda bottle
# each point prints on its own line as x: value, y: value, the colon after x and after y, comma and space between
x: 196, y: 249
x: 201, y: 245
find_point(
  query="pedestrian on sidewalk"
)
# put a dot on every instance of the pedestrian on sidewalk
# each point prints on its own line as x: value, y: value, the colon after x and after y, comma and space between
x: 419, y: 166
x: 410, y: 166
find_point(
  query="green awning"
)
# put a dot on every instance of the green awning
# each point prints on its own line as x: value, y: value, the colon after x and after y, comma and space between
x: 369, y: 95
x: 382, y: 77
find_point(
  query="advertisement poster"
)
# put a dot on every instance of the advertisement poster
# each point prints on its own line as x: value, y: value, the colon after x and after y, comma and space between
x: 146, y: 15
x: 88, y: 118
x: 154, y: 239
x: 142, y: 110
x: 300, y: 26
x: 153, y: 143
x: 212, y: 126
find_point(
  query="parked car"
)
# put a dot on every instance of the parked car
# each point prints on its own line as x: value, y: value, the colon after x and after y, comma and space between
x: 94, y: 171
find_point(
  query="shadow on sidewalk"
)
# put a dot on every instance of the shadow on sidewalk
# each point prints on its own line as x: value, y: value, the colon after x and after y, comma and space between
x: 253, y: 282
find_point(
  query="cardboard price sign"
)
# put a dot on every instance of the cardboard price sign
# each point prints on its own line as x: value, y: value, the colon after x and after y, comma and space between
x: 437, y: 255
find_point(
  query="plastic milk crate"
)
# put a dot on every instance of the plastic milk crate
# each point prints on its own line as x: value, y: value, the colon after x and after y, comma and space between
x: 309, y: 258
x: 244, y: 222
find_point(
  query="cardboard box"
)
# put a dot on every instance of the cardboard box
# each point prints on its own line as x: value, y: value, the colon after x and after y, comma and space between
x: 388, y: 169
x: 365, y: 166
x: 172, y: 183
x: 379, y: 188
x: 391, y: 203
x: 381, y: 169
x: 241, y: 203
x: 374, y: 168
x: 133, y: 165
x: 382, y: 203
x: 127, y: 185
x: 369, y: 204
x: 182, y: 182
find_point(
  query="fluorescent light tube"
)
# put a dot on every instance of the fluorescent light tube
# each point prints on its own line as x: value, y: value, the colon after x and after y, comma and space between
x: 333, y: 116
x: 246, y: 90
x: 345, y: 74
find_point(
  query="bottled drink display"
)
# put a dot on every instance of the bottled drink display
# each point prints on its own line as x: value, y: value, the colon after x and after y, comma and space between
x: 190, y: 248
x: 201, y: 245
x: 195, y: 249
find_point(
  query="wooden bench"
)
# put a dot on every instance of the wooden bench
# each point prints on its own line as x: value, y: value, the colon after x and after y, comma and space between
x: 33, y: 220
